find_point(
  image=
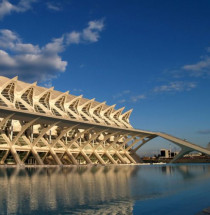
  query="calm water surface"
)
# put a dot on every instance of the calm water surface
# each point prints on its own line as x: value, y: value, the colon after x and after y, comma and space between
x: 168, y: 189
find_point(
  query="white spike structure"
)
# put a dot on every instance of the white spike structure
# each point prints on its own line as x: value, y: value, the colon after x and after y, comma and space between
x: 43, y: 126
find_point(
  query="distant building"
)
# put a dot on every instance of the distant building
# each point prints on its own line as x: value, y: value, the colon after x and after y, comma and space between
x: 173, y: 154
x: 193, y: 154
x: 166, y: 153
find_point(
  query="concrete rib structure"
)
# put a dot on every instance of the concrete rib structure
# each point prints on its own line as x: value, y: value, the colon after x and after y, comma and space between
x: 43, y: 126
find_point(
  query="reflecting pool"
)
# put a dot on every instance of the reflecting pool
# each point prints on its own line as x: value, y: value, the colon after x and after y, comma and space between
x: 150, y: 189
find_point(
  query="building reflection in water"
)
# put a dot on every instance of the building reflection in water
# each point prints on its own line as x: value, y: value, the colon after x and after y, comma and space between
x: 90, y: 190
x: 65, y: 189
x: 186, y: 171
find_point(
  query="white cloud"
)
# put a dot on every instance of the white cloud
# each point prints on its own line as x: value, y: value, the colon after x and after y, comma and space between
x: 91, y: 33
x: 7, y: 39
x: 200, y: 68
x: 32, y: 62
x: 6, y: 60
x: 126, y: 96
x: 96, y: 25
x: 122, y: 94
x: 122, y: 101
x: 56, y: 46
x: 48, y: 84
x: 73, y: 37
x: 77, y: 90
x: 8, y: 35
x: 24, y: 5
x: 88, y: 34
x: 177, y: 86
x: 7, y: 8
x: 29, y: 61
x: 27, y: 48
x: 137, y: 98
x: 54, y: 7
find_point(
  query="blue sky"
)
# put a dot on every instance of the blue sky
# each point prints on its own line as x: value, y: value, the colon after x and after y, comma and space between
x: 152, y: 56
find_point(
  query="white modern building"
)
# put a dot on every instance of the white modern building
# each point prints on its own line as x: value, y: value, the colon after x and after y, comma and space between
x: 41, y: 126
